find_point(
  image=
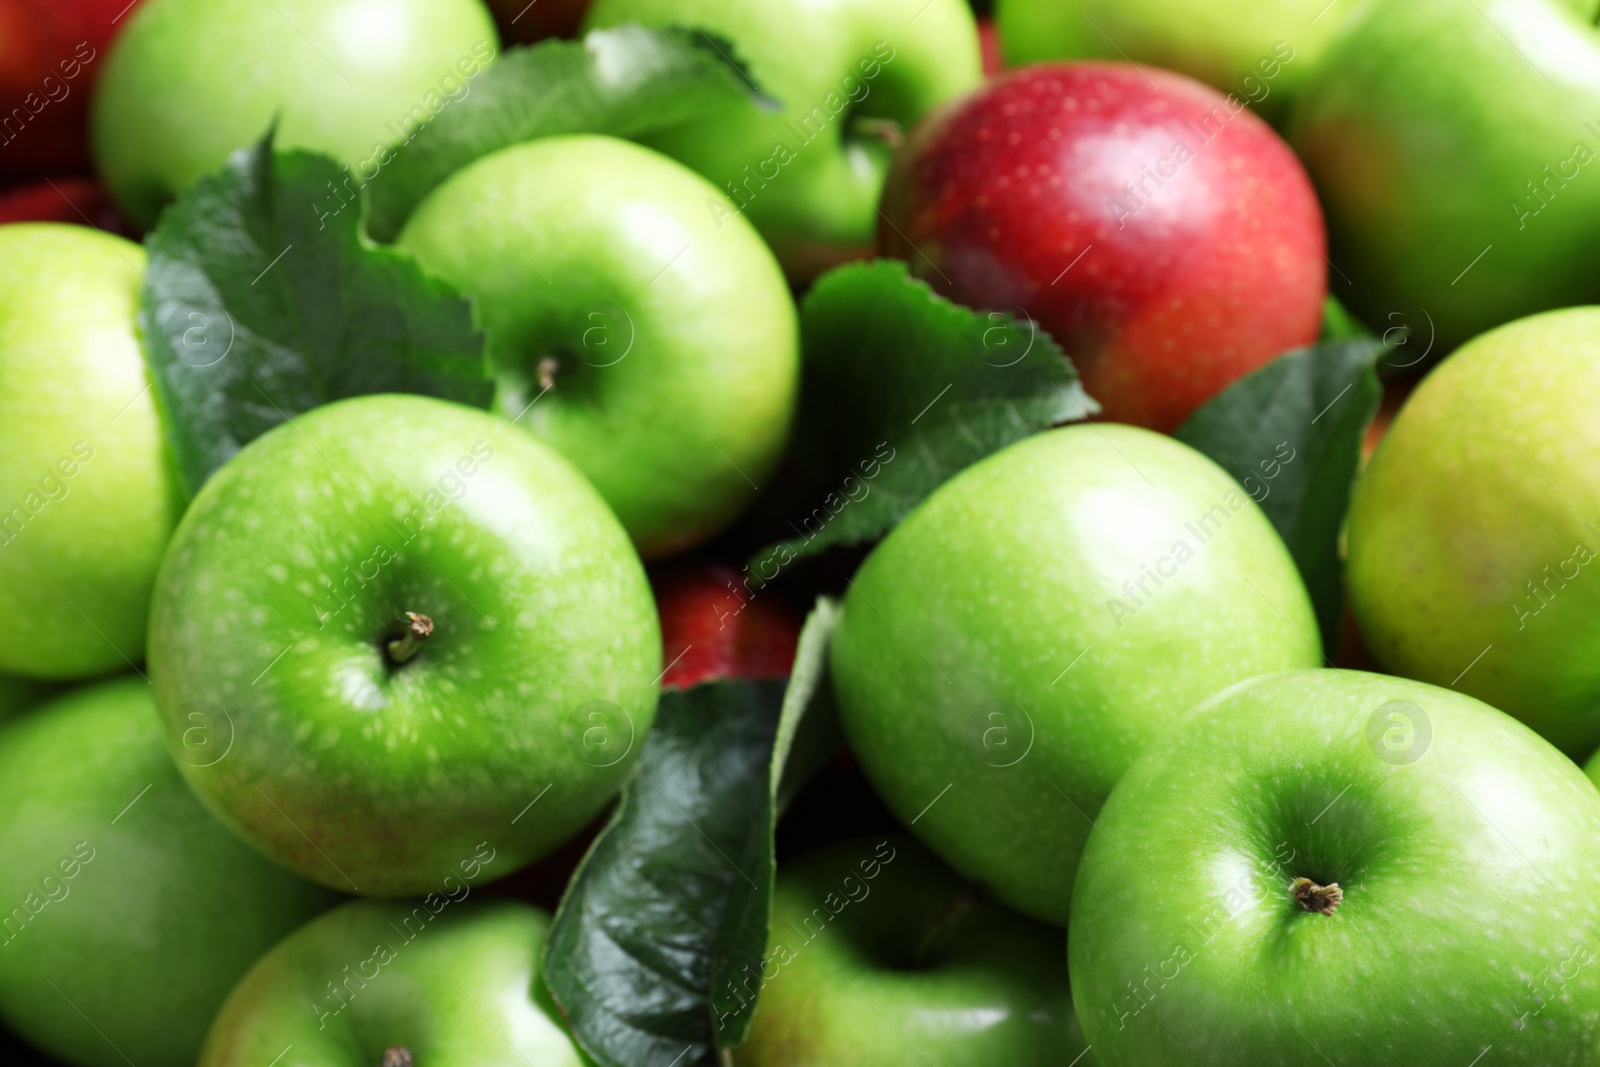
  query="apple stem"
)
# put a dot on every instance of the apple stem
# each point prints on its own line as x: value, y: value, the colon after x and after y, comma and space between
x: 547, y: 372
x: 1321, y: 899
x: 396, y: 1056
x: 965, y: 901
x: 888, y: 131
x: 402, y: 648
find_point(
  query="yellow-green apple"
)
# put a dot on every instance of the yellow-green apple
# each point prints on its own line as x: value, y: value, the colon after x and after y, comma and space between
x: 127, y: 912
x: 190, y: 81
x: 881, y: 954
x: 445, y: 980
x: 1311, y: 861
x: 1011, y: 647
x: 397, y: 631
x: 652, y: 346
x: 1453, y: 145
x: 1261, y: 51
x: 87, y: 496
x: 1473, y: 531
x: 848, y: 75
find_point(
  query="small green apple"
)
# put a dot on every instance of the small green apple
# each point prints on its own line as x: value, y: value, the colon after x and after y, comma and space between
x: 396, y: 633
x: 881, y: 954
x: 652, y: 345
x: 189, y: 81
x: 1474, y: 530
x: 846, y: 73
x: 1262, y: 51
x: 1312, y: 863
x: 1011, y: 646
x: 126, y: 911
x: 1454, y: 146
x: 87, y: 499
x: 396, y: 982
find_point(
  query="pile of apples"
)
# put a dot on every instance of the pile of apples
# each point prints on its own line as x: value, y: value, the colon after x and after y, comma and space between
x: 679, y: 533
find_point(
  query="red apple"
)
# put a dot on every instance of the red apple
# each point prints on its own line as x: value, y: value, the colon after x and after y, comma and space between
x: 50, y: 53
x: 526, y: 21
x: 712, y: 626
x: 1159, y: 230
x: 80, y: 201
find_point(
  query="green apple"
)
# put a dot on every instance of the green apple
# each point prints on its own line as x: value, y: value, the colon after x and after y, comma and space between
x: 126, y: 912
x: 847, y: 74
x: 1473, y: 529
x: 1262, y: 51
x: 1010, y: 647
x: 1312, y: 863
x: 652, y: 345
x: 451, y: 982
x: 397, y: 634
x: 189, y: 81
x: 87, y: 499
x: 1454, y: 147
x: 881, y: 954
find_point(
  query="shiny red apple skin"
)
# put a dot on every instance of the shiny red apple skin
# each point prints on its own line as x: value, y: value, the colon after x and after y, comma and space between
x: 713, y: 627
x: 51, y: 51
x: 1166, y: 272
x: 80, y: 201
x: 527, y: 21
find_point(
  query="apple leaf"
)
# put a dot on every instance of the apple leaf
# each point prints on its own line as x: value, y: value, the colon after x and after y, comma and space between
x: 900, y: 390
x: 259, y: 306
x: 808, y: 730
x: 652, y: 949
x: 624, y: 82
x: 1291, y: 434
x: 1338, y: 324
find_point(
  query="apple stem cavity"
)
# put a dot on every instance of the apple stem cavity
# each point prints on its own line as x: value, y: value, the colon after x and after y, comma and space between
x: 1321, y: 899
x: 953, y: 912
x: 396, y: 1056
x: 402, y: 649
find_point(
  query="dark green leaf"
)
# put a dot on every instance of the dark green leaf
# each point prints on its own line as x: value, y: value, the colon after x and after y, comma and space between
x: 652, y: 950
x: 624, y: 82
x: 263, y: 301
x: 1291, y: 434
x: 900, y: 390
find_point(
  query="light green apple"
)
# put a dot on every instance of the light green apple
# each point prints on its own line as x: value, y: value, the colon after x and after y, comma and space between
x: 189, y: 81
x: 1010, y: 647
x: 881, y: 954
x: 651, y: 344
x: 847, y: 74
x: 87, y: 498
x: 1311, y: 864
x: 398, y: 636
x: 1474, y: 531
x: 1262, y: 51
x: 126, y: 912
x: 399, y: 982
x: 1456, y: 149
